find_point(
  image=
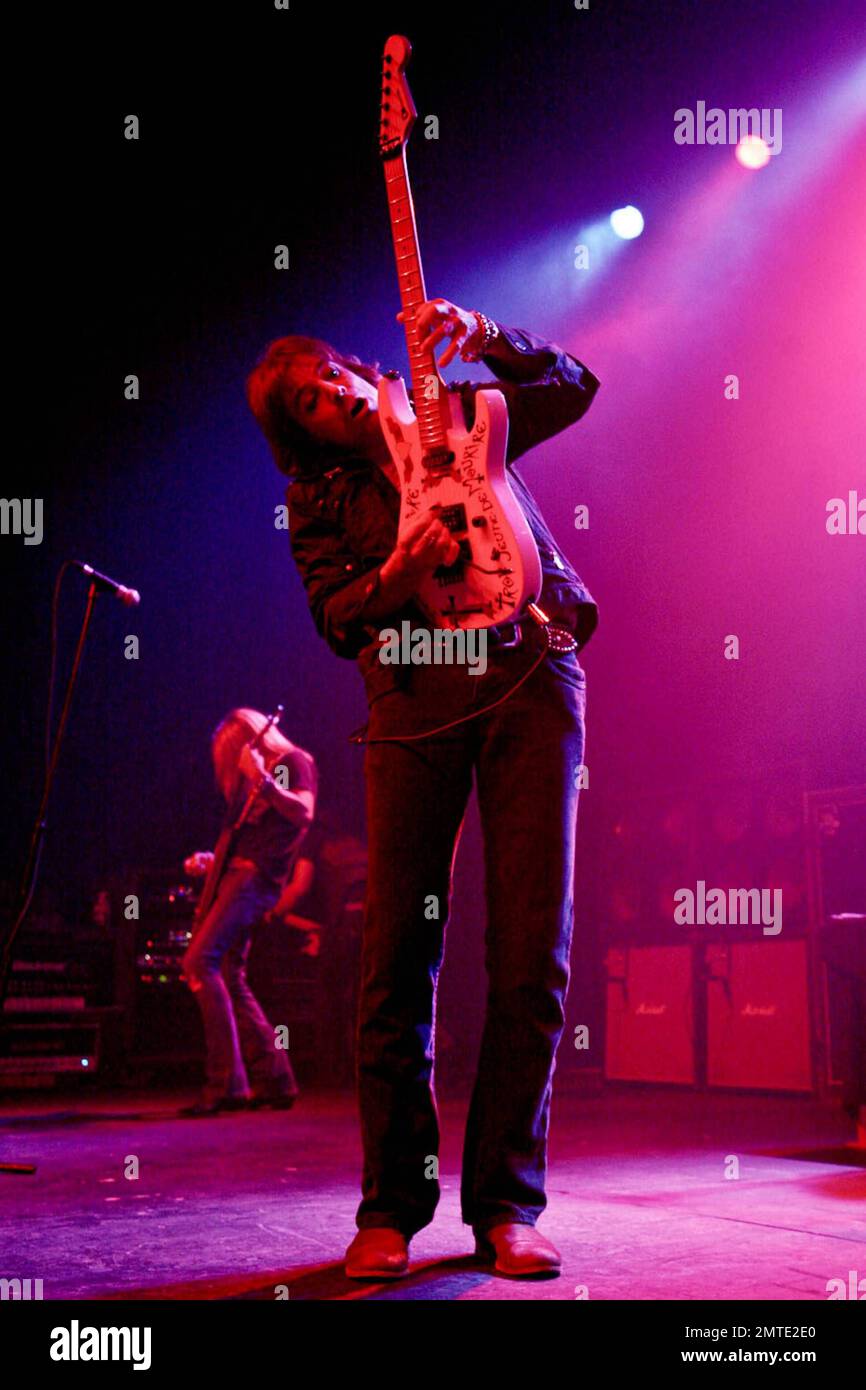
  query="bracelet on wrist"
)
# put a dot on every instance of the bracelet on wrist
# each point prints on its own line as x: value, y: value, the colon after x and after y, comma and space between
x: 490, y: 333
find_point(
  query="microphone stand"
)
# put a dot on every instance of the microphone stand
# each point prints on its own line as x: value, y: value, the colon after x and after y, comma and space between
x: 31, y: 869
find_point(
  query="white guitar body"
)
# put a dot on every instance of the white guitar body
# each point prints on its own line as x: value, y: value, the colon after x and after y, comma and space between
x: 499, y: 571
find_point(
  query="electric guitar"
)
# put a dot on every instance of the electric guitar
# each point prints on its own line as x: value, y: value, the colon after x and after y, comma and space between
x: 443, y: 466
x: 228, y: 835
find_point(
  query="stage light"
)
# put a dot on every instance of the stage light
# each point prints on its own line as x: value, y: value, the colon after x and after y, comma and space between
x: 753, y: 152
x: 627, y: 222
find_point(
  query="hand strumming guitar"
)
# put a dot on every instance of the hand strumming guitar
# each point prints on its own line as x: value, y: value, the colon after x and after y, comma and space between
x: 425, y: 543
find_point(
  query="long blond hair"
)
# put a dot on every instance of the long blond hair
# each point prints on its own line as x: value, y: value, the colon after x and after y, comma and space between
x: 229, y: 737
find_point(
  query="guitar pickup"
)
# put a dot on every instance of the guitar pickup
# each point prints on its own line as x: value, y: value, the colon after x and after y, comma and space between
x: 453, y: 517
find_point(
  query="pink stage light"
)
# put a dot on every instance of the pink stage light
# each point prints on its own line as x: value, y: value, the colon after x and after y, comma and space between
x: 753, y: 152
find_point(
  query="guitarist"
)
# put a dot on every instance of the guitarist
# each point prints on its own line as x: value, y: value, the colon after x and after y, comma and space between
x: 251, y: 758
x: 518, y: 728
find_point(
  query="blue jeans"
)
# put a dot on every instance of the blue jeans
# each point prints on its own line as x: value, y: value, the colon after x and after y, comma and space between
x: 234, y: 1024
x: 525, y: 755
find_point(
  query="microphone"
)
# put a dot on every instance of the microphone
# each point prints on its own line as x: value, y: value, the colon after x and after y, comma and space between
x: 131, y: 597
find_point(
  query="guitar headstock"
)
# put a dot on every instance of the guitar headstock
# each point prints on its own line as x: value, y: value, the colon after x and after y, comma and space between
x: 397, y: 109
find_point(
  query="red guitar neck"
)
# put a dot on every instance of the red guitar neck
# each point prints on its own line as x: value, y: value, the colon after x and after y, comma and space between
x: 398, y: 114
x: 431, y: 405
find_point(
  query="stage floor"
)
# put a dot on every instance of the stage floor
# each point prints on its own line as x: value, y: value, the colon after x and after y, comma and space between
x: 234, y: 1206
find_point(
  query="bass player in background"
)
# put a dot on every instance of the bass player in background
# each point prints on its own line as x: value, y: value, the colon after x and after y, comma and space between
x: 260, y: 858
x: 518, y: 728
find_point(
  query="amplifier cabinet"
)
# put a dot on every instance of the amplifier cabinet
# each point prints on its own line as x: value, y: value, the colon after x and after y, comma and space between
x: 758, y: 1016
x: 650, y: 1014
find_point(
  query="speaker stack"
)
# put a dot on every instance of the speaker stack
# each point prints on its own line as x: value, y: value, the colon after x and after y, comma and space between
x: 726, y: 1004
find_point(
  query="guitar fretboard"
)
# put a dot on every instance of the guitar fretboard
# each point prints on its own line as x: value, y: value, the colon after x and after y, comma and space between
x: 431, y: 404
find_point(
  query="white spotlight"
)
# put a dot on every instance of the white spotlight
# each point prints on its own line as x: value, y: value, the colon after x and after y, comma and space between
x: 627, y: 222
x: 753, y: 152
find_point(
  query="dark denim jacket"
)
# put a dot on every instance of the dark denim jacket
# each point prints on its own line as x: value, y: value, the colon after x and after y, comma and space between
x: 344, y: 522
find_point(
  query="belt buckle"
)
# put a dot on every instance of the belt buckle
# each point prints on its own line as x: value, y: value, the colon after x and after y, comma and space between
x: 516, y: 636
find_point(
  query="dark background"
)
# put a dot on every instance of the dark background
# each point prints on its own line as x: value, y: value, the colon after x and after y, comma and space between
x: 156, y: 258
